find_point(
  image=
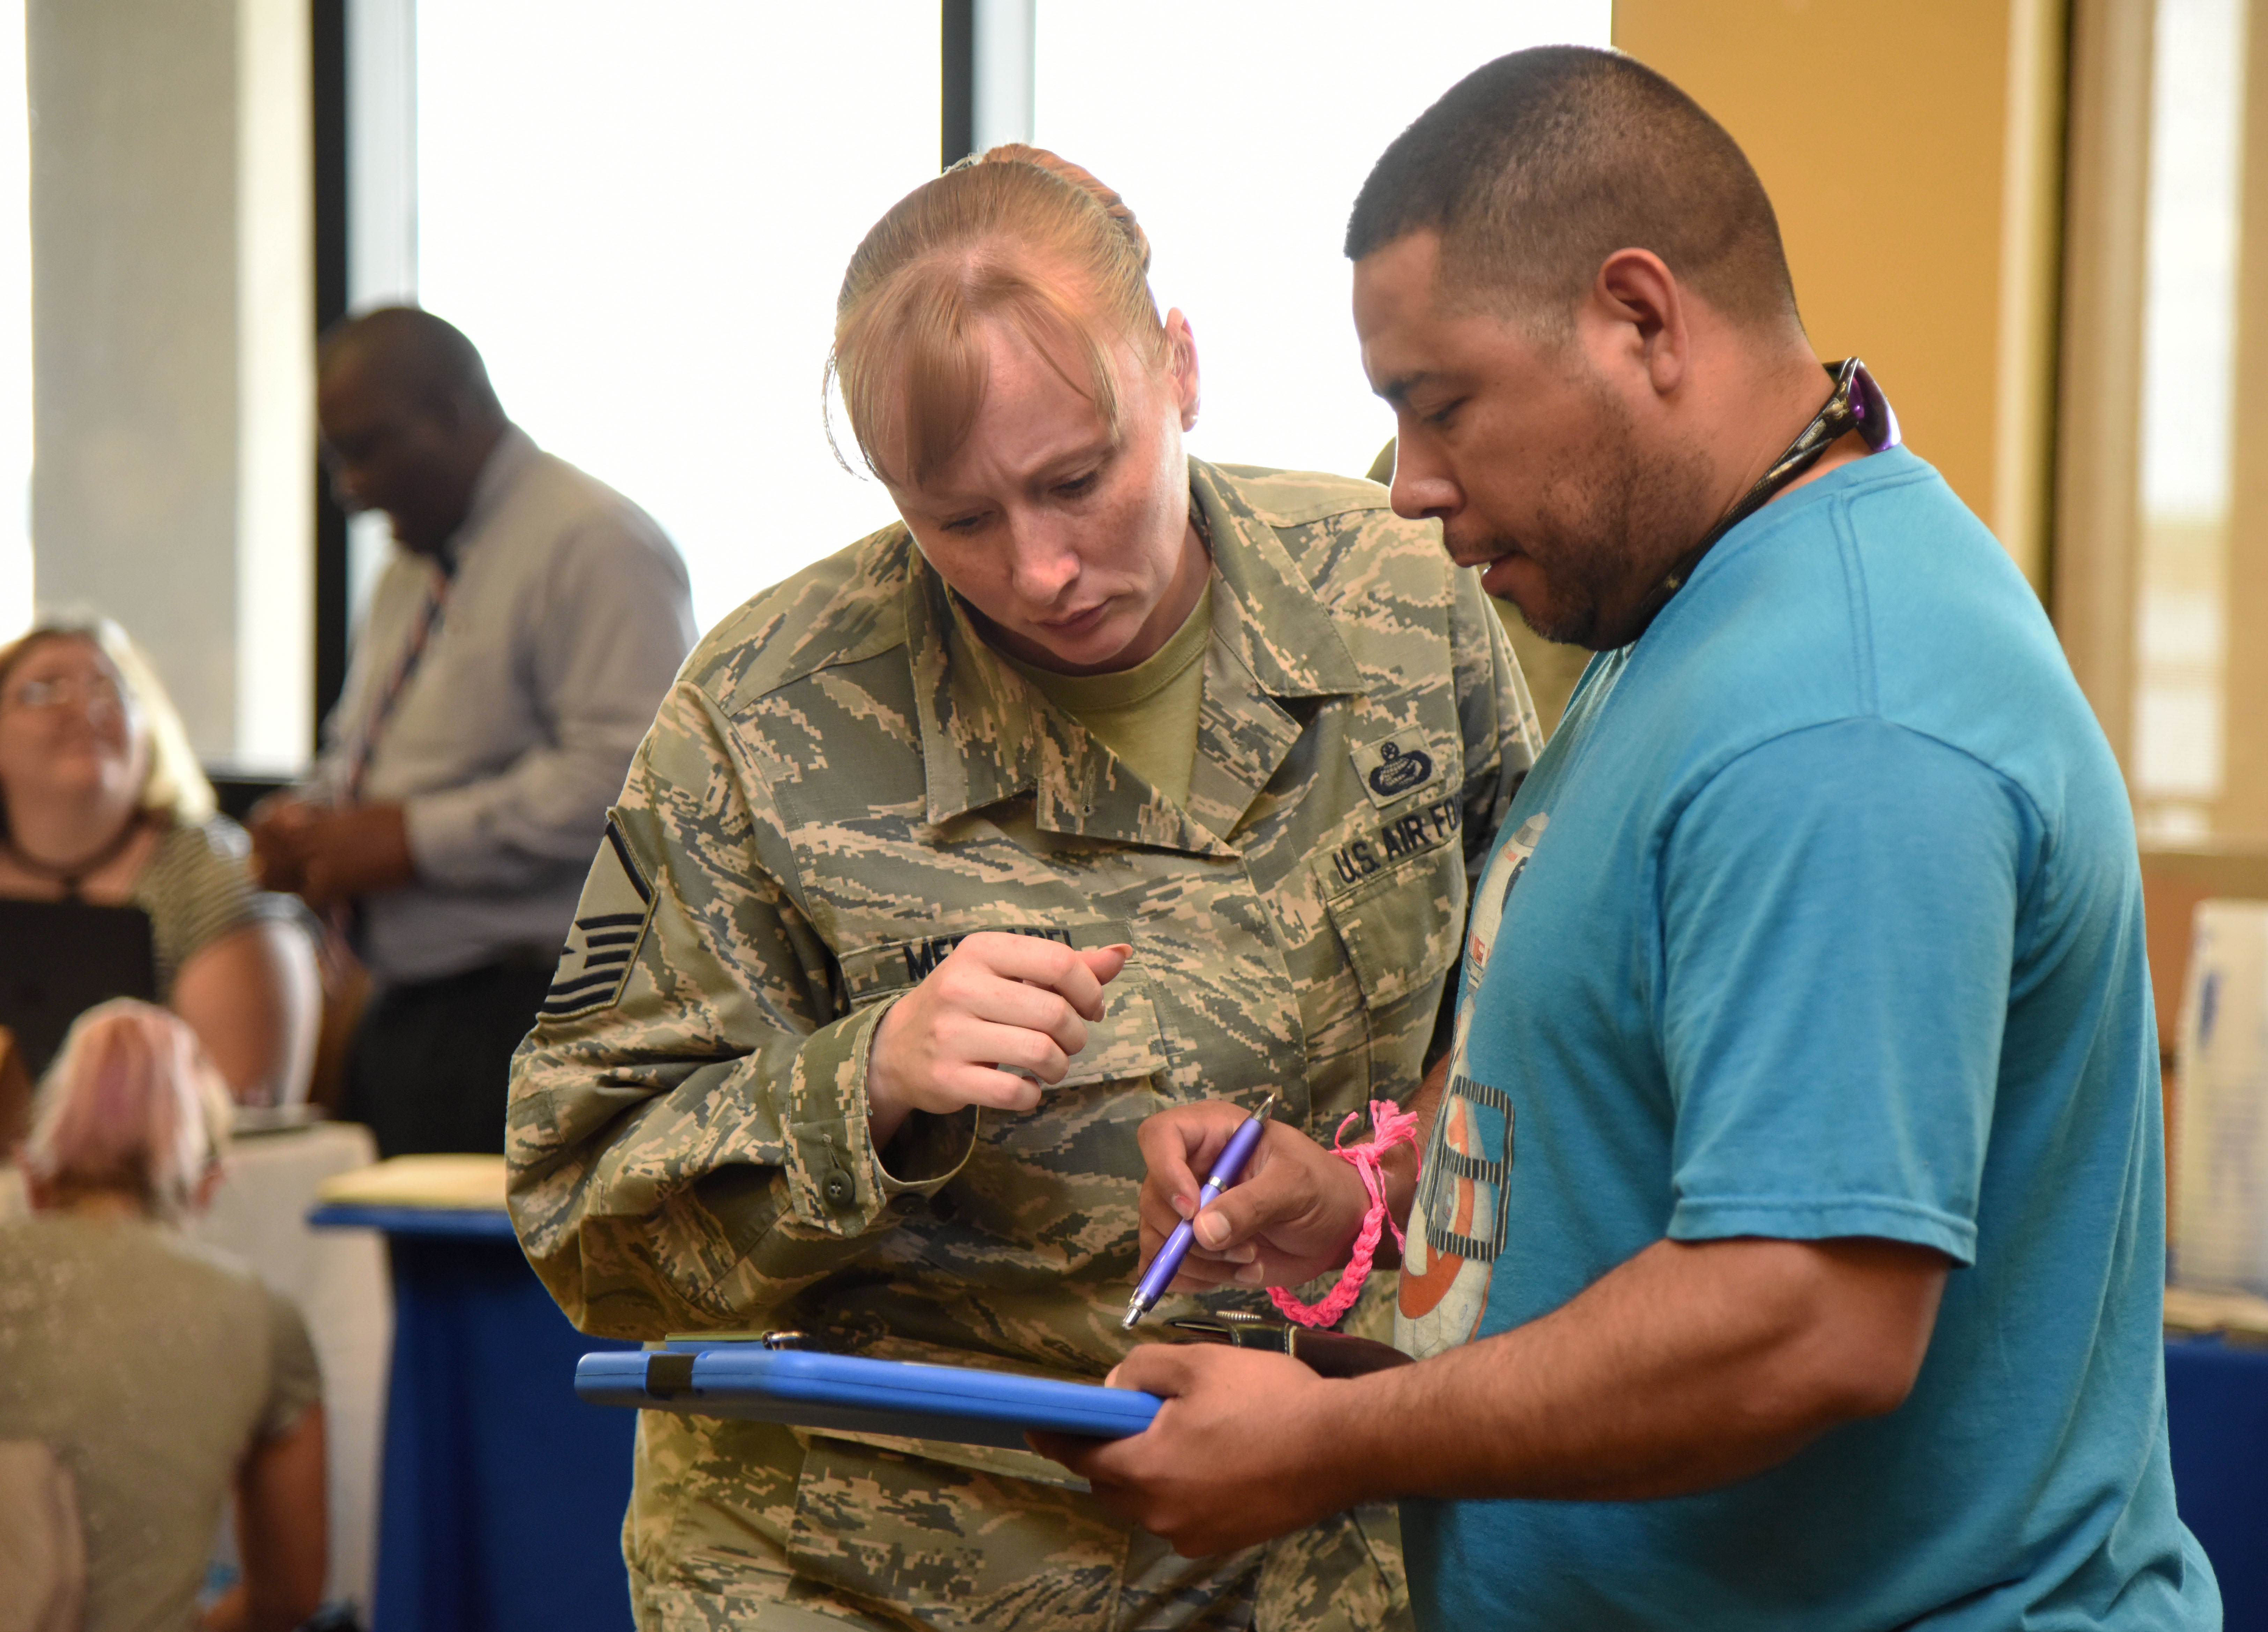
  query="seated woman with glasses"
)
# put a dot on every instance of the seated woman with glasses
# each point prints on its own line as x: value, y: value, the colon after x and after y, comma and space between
x: 144, y: 1378
x: 101, y: 801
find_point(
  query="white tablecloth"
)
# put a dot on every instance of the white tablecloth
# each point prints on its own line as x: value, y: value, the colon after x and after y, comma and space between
x: 338, y: 1278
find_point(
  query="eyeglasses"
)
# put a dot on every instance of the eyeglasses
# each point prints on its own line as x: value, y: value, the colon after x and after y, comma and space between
x: 65, y: 691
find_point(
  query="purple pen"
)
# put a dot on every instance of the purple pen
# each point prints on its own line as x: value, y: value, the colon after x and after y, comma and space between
x: 1168, y: 1264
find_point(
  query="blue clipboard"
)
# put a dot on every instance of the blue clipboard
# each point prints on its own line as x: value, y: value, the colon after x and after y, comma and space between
x: 849, y: 1393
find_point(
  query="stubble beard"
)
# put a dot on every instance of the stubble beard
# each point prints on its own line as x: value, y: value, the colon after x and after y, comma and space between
x: 1615, y: 526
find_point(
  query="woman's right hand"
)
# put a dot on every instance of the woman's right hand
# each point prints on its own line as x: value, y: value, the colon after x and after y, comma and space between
x: 999, y: 1005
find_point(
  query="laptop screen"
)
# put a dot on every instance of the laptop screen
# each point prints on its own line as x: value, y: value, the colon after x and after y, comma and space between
x: 60, y: 959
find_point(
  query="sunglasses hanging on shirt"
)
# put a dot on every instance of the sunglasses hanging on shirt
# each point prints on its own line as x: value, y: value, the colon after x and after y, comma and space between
x: 1857, y: 404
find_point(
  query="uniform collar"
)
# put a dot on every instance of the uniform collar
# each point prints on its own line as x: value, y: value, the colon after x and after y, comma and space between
x: 1285, y: 637
x: 988, y: 735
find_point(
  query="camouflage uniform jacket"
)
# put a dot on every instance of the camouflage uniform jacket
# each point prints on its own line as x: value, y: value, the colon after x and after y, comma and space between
x: 844, y: 782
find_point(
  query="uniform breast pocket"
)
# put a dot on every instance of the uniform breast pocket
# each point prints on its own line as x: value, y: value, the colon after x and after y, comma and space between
x: 1125, y: 1044
x: 1401, y: 925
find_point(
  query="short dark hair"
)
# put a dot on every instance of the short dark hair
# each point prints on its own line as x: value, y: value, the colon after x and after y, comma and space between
x: 426, y: 355
x: 1537, y: 167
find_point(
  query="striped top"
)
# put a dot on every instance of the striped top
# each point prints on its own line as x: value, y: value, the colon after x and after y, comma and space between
x: 197, y: 887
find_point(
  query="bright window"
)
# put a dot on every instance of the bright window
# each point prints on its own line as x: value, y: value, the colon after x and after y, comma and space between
x: 1239, y: 135
x: 641, y: 215
x: 2188, y: 389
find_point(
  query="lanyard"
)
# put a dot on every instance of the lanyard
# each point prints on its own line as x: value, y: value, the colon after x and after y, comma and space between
x: 1856, y: 404
x: 421, y: 634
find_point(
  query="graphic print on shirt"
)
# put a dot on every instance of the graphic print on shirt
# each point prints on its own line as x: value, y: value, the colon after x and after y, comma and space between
x: 1457, y: 1220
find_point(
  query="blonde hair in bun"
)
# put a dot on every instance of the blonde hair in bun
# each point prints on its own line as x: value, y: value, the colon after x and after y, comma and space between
x: 1016, y: 235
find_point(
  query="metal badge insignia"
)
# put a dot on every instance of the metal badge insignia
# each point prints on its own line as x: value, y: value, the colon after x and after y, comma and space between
x: 1396, y: 767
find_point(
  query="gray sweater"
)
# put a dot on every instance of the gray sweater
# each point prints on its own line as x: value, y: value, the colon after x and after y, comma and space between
x: 565, y: 620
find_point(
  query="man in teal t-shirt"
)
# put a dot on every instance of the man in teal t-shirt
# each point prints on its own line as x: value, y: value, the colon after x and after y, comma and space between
x: 1839, y: 874
x: 1788, y: 1247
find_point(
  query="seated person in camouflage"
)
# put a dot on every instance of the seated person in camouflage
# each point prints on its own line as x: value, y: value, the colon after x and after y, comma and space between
x: 1111, y: 780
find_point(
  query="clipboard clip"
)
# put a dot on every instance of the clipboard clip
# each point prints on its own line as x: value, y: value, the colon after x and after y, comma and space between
x: 669, y: 1371
x: 1327, y: 1354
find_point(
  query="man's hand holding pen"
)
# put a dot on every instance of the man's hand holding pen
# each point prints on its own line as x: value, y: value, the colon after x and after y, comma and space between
x: 1249, y: 1445
x: 1241, y: 1451
x: 1290, y: 1217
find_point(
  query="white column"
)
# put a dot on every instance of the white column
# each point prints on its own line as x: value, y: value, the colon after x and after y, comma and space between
x: 275, y: 387
x: 1003, y: 53
x: 170, y: 271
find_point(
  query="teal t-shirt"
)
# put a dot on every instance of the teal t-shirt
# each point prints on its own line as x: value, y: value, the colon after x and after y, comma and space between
x: 1821, y: 916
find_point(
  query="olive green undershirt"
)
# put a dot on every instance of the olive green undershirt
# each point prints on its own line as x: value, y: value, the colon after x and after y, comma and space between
x: 1147, y: 715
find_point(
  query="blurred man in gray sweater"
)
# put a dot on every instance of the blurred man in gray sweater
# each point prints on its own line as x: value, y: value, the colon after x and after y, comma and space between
x: 515, y: 650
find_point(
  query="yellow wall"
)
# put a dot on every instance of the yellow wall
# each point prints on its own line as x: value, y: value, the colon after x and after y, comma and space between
x: 1915, y: 178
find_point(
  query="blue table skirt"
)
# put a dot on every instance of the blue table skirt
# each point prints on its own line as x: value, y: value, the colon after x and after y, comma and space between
x: 501, y: 1508
x: 455, y: 1223
x: 504, y: 1494
x: 2217, y: 1418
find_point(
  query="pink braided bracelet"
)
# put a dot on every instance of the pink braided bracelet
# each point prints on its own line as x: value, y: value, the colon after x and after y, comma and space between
x: 1389, y: 1126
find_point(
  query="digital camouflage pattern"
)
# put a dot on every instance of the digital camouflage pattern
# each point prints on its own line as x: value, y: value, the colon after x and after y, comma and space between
x: 842, y: 783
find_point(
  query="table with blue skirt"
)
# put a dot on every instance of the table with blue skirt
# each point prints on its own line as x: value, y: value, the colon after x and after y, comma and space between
x: 2217, y: 1418
x: 501, y: 1500
x: 503, y: 1493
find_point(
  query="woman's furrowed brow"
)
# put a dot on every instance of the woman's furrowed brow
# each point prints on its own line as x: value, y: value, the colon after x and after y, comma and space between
x: 1397, y: 389
x: 1070, y: 458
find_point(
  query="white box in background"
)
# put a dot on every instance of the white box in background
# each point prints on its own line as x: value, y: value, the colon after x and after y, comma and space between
x: 2221, y: 1108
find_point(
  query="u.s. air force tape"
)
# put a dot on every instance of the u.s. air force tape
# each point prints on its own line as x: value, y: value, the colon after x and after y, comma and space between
x: 610, y: 920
